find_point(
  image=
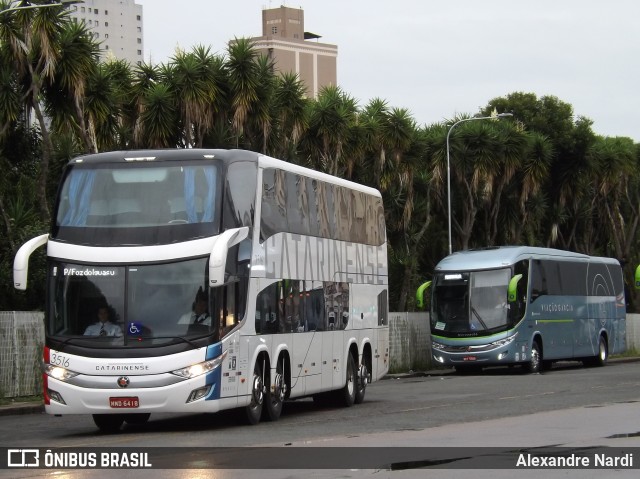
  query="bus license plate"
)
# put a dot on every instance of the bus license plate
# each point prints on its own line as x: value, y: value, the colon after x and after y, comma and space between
x: 124, y: 402
x: 470, y: 358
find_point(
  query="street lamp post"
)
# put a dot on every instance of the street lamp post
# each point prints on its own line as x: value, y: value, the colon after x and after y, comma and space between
x: 499, y: 115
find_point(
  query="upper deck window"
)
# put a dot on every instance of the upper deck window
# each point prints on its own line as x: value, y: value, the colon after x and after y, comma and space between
x: 139, y: 203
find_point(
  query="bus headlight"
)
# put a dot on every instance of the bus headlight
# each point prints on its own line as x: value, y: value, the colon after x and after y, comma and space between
x: 505, y: 341
x: 200, y: 368
x: 56, y: 372
x: 437, y: 346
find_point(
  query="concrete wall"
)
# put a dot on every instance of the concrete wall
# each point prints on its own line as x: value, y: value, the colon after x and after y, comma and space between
x: 409, y: 342
x: 22, y: 338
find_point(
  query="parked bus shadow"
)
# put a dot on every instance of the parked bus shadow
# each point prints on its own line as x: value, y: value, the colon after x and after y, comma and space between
x: 514, y: 369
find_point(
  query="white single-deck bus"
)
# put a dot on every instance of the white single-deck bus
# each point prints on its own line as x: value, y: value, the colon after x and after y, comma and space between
x: 525, y: 305
x: 203, y: 280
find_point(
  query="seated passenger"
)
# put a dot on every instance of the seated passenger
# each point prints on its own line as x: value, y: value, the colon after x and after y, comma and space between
x: 199, y: 311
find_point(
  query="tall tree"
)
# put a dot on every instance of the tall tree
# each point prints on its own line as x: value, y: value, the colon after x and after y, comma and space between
x: 244, y: 84
x: 77, y: 62
x: 30, y: 40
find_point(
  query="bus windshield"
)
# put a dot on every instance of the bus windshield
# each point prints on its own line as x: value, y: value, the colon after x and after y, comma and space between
x: 470, y: 304
x: 139, y: 203
x: 135, y: 306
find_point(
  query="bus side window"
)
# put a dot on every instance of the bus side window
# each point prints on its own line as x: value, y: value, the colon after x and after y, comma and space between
x: 518, y: 309
x: 538, y: 280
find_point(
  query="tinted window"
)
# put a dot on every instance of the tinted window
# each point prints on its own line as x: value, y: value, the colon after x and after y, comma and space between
x: 295, y: 204
x: 558, y: 278
x: 294, y: 306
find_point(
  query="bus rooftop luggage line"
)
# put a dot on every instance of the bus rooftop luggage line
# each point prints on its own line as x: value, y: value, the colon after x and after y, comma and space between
x: 525, y: 305
x: 203, y: 280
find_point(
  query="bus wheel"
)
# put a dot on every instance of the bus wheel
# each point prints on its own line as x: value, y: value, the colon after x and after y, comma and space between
x: 254, y: 409
x: 601, y: 358
x: 140, y: 418
x: 535, y: 362
x: 603, y: 352
x: 108, y: 423
x: 275, y: 397
x: 349, y: 389
x: 361, y: 383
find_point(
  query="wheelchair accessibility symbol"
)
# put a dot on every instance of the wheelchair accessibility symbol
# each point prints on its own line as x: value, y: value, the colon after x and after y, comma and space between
x: 135, y: 329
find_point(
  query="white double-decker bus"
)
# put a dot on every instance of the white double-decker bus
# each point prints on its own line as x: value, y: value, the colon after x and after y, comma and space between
x: 203, y: 280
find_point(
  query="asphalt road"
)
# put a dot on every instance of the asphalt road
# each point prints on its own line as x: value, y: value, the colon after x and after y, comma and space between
x: 568, y: 406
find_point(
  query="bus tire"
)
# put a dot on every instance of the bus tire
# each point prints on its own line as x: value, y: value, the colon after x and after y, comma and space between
x: 138, y: 418
x: 361, y: 383
x: 253, y: 410
x: 603, y: 354
x: 108, y: 423
x: 534, y: 365
x: 349, y: 389
x: 275, y: 396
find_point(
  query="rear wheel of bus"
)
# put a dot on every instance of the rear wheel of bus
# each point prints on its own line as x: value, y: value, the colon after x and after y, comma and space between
x: 254, y: 409
x: 603, y: 354
x: 348, y: 392
x: 276, y: 394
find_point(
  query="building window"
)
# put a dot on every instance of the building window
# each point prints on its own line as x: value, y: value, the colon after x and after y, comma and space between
x: 138, y: 17
x: 139, y: 41
x: 82, y: 9
x: 139, y: 29
x: 106, y: 24
x: 139, y: 52
x: 106, y: 12
x: 95, y: 10
x: 97, y: 23
x: 274, y: 30
x: 106, y: 35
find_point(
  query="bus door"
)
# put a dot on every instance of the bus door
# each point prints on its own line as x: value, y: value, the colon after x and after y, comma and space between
x: 553, y: 311
x: 307, y: 344
x: 336, y: 295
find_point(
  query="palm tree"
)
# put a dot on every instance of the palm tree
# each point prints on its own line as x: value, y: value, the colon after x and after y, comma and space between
x: 244, y: 83
x: 290, y: 105
x: 30, y: 40
x: 145, y: 78
x: 113, y: 85
x: 331, y: 120
x: 159, y: 118
x: 77, y: 61
x: 196, y: 75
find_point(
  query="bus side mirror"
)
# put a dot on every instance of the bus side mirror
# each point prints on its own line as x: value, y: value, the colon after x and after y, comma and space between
x: 21, y: 261
x: 637, y: 279
x: 512, y: 292
x: 218, y: 257
x: 420, y: 293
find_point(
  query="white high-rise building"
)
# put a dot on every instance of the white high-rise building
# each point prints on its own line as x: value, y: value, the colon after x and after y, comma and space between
x: 116, y: 24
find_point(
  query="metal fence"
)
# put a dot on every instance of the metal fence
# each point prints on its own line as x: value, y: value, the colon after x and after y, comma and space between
x: 22, y: 338
x: 21, y: 342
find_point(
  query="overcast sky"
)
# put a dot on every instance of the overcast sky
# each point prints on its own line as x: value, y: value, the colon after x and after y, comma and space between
x: 440, y: 58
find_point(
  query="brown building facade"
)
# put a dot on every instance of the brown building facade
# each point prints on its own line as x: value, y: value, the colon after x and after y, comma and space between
x: 294, y: 50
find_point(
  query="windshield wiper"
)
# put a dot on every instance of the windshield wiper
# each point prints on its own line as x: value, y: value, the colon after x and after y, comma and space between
x: 479, y: 318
